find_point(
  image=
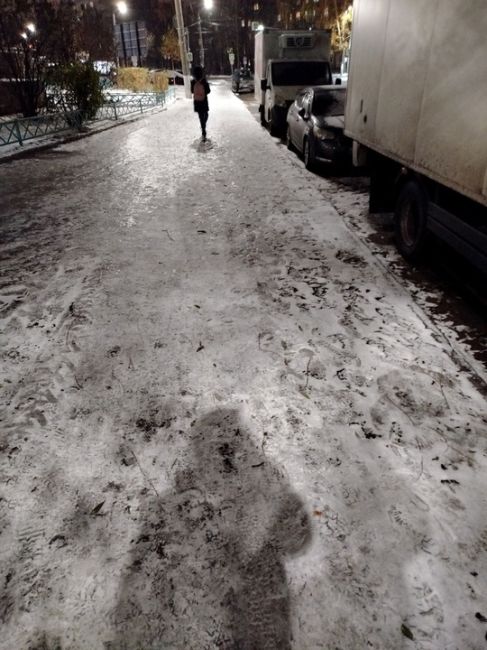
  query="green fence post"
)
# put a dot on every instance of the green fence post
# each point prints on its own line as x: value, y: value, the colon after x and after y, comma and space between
x: 140, y: 106
x: 17, y: 132
x: 115, y: 111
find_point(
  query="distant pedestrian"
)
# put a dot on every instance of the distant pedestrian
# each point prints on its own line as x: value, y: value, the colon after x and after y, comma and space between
x: 200, y: 89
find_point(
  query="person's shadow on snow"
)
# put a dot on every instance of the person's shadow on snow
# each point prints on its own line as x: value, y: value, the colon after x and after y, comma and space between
x: 202, y: 147
x: 207, y: 570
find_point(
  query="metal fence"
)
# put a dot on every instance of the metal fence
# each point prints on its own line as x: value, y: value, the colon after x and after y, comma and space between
x: 116, y: 106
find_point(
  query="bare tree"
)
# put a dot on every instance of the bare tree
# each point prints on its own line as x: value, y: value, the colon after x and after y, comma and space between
x: 27, y: 41
x: 38, y: 35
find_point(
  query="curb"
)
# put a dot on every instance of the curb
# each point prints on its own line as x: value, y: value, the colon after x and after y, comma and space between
x: 16, y: 155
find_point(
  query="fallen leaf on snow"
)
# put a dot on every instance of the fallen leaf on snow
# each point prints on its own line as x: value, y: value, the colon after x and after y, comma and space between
x: 97, y: 508
x: 407, y: 632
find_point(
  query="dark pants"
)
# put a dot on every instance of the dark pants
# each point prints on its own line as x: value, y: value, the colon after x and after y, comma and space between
x: 203, y: 115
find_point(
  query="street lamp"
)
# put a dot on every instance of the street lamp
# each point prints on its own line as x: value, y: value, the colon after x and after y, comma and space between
x: 30, y: 30
x: 122, y: 7
x: 208, y: 6
x: 182, y: 48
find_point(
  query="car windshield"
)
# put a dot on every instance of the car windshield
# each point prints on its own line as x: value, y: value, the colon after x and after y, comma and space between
x: 331, y: 103
x: 301, y: 73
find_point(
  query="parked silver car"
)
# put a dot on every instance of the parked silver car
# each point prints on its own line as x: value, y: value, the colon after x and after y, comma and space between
x: 242, y: 81
x: 315, y: 124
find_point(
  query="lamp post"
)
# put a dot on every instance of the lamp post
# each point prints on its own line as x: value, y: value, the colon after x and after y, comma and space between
x: 123, y: 10
x: 200, y: 42
x: 208, y: 6
x: 182, y: 48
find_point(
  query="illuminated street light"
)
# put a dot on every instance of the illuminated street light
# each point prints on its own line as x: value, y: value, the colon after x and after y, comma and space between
x: 24, y: 35
x: 122, y: 8
x: 31, y: 28
x: 208, y: 4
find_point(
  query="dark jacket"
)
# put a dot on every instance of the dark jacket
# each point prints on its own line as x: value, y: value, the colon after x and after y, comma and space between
x: 201, y: 106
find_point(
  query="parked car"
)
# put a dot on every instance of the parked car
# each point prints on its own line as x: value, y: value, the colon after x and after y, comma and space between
x: 242, y: 81
x: 175, y: 77
x: 315, y: 123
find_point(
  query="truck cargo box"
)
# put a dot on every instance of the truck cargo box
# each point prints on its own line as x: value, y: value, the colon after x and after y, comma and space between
x: 417, y: 88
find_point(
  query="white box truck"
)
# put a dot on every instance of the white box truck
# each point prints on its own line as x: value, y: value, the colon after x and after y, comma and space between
x: 417, y: 113
x: 285, y: 62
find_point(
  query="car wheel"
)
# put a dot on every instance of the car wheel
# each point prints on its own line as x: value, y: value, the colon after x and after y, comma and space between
x: 410, y: 219
x: 262, y: 115
x: 272, y: 124
x: 308, y: 154
x: 289, y: 142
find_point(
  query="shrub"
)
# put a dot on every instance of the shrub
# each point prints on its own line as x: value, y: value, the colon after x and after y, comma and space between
x: 135, y: 79
x: 160, y: 81
x: 77, y: 86
x: 142, y: 80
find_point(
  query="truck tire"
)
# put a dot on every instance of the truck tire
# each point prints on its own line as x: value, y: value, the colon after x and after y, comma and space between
x: 273, y: 123
x: 262, y: 115
x: 308, y: 154
x: 410, y: 218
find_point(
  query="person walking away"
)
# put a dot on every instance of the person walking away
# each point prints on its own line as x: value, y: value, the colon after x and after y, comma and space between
x: 200, y: 89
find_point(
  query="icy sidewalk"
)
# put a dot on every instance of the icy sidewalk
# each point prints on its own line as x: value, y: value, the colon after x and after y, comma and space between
x: 50, y: 140
x: 224, y: 427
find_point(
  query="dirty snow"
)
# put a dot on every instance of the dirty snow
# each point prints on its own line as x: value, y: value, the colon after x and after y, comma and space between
x: 223, y: 424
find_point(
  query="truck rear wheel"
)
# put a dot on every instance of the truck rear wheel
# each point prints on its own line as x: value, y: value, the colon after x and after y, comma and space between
x: 308, y: 154
x: 410, y: 219
x: 273, y: 123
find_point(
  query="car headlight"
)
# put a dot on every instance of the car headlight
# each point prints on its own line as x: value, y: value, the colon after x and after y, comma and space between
x: 324, y: 134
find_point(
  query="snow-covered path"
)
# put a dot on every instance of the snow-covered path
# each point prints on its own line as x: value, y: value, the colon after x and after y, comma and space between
x: 223, y: 425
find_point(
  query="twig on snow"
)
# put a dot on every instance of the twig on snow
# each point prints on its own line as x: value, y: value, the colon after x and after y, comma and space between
x: 421, y: 469
x: 442, y: 392
x: 307, y: 373
x: 143, y: 472
x: 168, y: 233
